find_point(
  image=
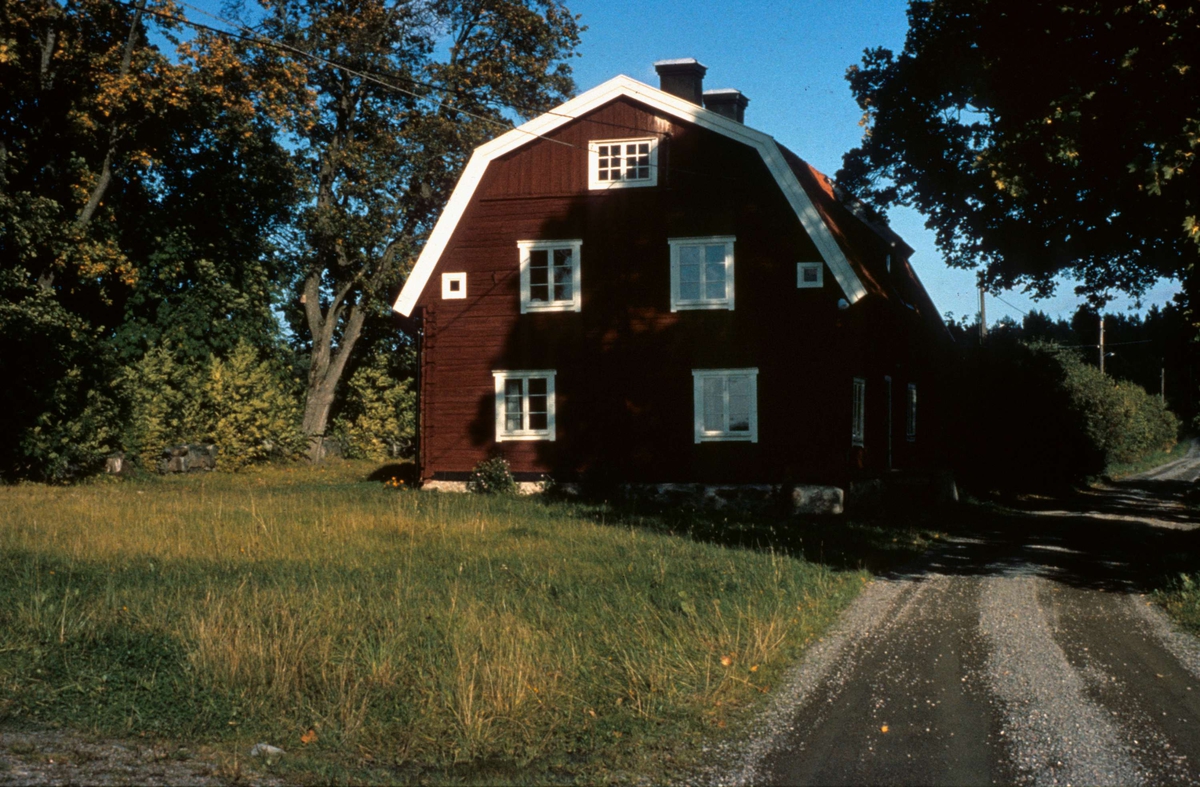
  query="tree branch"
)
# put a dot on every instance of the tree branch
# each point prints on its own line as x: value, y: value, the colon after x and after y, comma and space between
x: 114, y: 135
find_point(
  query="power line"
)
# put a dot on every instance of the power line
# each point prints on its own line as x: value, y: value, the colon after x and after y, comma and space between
x: 249, y: 36
x: 273, y: 44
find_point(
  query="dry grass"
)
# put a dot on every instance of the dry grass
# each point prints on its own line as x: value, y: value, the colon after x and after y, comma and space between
x: 405, y: 629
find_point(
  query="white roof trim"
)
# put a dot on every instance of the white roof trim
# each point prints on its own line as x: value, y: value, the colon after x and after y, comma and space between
x: 671, y: 105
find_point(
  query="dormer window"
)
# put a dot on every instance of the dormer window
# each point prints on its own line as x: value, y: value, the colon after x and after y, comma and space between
x: 550, y: 275
x: 622, y: 163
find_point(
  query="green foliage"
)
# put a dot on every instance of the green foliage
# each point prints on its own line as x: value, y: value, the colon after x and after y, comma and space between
x: 378, y: 418
x: 252, y: 411
x: 1046, y: 139
x: 167, y: 401
x: 1035, y: 415
x: 60, y: 418
x: 1120, y: 419
x: 1181, y: 598
x: 492, y: 477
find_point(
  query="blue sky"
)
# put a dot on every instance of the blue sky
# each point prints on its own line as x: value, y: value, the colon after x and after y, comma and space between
x: 790, y: 60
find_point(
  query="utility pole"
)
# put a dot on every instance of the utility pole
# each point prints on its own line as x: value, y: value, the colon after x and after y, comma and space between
x: 982, y: 318
x: 1101, y: 344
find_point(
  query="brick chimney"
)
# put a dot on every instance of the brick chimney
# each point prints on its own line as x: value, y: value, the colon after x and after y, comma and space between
x: 683, y: 77
x: 728, y: 102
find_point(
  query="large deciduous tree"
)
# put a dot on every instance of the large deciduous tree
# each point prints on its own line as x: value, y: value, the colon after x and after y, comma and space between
x: 131, y: 182
x: 396, y: 94
x: 1042, y: 138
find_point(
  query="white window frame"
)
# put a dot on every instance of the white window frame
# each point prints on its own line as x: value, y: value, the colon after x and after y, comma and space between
x: 801, y: 267
x: 503, y: 434
x: 448, y: 291
x: 725, y: 435
x: 524, y: 250
x: 594, y: 181
x: 677, y: 303
x: 911, y: 419
x: 858, y: 411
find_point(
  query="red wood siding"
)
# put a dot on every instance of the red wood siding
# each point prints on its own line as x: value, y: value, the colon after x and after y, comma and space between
x: 623, y: 364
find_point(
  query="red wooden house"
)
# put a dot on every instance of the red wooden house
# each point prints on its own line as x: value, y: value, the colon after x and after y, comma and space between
x: 640, y: 283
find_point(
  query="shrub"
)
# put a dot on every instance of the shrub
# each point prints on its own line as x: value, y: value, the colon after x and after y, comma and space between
x: 59, y: 417
x: 378, y: 418
x: 252, y: 413
x: 492, y: 477
x: 1036, y: 415
x: 166, y: 399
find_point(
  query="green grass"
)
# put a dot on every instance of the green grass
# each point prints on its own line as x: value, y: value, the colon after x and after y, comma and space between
x: 420, y: 636
x: 1180, y: 597
x: 1150, y: 461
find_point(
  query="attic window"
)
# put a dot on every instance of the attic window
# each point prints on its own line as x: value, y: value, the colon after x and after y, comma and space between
x: 622, y: 163
x: 810, y: 274
x: 454, y: 286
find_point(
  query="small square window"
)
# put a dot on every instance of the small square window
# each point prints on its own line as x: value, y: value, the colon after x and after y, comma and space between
x: 524, y: 405
x: 702, y: 273
x: 454, y: 285
x: 550, y: 275
x: 725, y: 405
x: 622, y: 163
x: 810, y: 274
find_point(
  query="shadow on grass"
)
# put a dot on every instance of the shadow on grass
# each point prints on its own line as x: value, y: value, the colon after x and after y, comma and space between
x: 877, y: 542
x: 1135, y: 536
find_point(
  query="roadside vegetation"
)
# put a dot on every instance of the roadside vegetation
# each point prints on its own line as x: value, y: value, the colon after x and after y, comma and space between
x: 381, y: 634
x: 1033, y: 415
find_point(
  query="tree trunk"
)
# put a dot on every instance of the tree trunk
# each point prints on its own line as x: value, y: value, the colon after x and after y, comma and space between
x: 328, y: 363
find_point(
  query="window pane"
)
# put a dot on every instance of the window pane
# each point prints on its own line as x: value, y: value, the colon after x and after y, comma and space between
x: 714, y: 281
x: 715, y: 253
x: 538, y: 399
x: 513, y: 390
x: 689, y: 290
x: 689, y: 255
x: 810, y: 274
x: 739, y: 404
x: 714, y: 404
x: 563, y: 285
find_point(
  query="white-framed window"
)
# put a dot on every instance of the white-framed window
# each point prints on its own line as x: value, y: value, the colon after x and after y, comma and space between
x: 524, y: 405
x: 858, y: 411
x: 810, y: 274
x: 702, y: 273
x: 550, y: 275
x: 622, y: 163
x: 725, y: 404
x: 911, y: 419
x: 454, y: 286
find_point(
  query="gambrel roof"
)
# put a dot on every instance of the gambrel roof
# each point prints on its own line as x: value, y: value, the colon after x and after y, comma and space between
x: 802, y: 193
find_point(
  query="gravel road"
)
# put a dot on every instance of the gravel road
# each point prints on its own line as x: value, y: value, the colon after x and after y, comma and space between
x: 1021, y: 651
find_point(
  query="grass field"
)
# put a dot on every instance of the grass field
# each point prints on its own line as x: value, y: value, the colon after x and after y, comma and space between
x: 379, y: 634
